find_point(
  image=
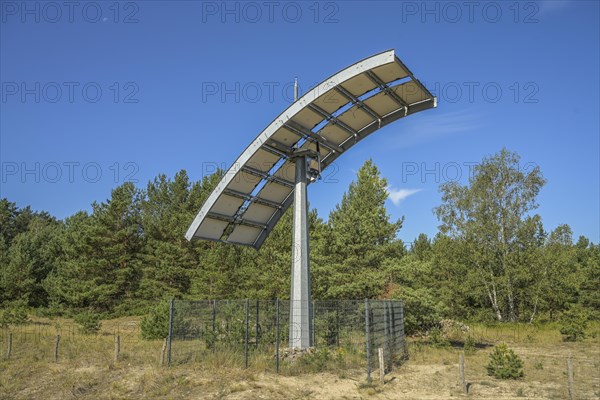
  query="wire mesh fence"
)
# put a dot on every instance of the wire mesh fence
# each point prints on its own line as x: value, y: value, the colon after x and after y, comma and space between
x: 348, y: 332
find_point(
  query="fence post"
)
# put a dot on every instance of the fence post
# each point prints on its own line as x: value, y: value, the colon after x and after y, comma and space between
x: 368, y: 340
x: 386, y: 326
x: 170, y: 337
x: 571, y: 384
x: 381, y: 364
x: 9, y: 349
x: 401, y: 328
x: 162, y: 353
x: 246, y: 337
x: 277, y: 336
x: 312, y: 316
x: 117, y: 347
x: 461, y: 373
x: 214, y: 315
x: 257, y: 319
x: 337, y: 325
x: 56, y: 342
x: 393, y: 327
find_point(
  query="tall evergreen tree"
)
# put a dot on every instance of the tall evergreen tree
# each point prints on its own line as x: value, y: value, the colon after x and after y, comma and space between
x: 101, y: 267
x: 361, y: 235
x: 33, y: 254
x: 168, y: 260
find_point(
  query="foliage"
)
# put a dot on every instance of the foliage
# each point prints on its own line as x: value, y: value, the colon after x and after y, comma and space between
x: 470, y: 345
x: 360, y: 237
x: 505, y: 363
x: 573, y: 324
x: 489, y: 215
x: 437, y: 339
x: 155, y: 324
x: 316, y: 360
x: 422, y: 311
x: 88, y: 321
x: 492, y: 259
x: 14, y: 314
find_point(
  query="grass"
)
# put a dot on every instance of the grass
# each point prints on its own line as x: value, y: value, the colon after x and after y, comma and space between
x: 86, y: 368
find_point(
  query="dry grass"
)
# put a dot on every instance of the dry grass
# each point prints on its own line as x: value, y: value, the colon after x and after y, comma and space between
x: 87, y: 369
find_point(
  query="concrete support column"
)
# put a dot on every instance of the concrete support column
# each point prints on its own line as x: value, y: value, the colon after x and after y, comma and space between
x: 300, y: 303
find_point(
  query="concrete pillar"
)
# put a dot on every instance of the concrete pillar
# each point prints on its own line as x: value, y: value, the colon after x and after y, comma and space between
x: 300, y: 304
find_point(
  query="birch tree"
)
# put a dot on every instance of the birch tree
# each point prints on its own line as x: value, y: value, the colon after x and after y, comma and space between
x: 487, y: 214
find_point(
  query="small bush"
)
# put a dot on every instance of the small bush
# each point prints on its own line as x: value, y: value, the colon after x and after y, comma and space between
x: 470, y: 345
x: 573, y: 325
x: 88, y: 321
x: 15, y: 314
x: 504, y: 363
x: 155, y: 325
x: 437, y: 338
x: 317, y: 360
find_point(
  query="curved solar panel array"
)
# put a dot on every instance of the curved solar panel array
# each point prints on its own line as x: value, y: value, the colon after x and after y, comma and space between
x: 342, y: 110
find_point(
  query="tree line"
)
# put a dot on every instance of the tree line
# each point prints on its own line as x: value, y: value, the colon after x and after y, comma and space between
x: 492, y: 259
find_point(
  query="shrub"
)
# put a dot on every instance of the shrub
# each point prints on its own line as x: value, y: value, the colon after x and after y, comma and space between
x: 155, y: 324
x: 316, y: 360
x: 422, y: 311
x: 504, y: 363
x: 470, y: 345
x: 327, y: 325
x: 88, y: 321
x: 573, y: 325
x: 14, y: 315
x: 438, y: 339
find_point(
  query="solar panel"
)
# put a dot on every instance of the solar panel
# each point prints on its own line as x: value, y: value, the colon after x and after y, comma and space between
x: 339, y: 112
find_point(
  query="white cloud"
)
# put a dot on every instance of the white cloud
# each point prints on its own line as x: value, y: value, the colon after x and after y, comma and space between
x: 433, y: 126
x: 549, y: 6
x: 398, y: 195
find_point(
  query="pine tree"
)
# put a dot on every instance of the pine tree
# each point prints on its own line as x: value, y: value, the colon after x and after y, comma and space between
x: 101, y: 266
x: 33, y: 255
x: 168, y: 260
x: 360, y: 237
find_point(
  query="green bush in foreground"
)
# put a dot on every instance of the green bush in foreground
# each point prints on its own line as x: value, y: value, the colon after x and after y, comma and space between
x: 504, y: 363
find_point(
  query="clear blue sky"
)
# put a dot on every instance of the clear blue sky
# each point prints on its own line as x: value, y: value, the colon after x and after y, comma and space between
x: 522, y: 75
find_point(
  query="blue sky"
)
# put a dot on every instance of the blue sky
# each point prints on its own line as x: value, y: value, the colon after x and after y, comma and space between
x: 95, y: 93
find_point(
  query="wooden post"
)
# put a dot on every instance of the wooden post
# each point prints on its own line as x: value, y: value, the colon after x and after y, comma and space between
x: 9, y: 349
x: 381, y: 365
x: 117, y: 347
x: 461, y: 373
x: 368, y: 339
x: 56, y: 342
x: 170, y: 337
x: 256, y: 333
x: 571, y: 384
x: 162, y: 353
x: 277, y: 335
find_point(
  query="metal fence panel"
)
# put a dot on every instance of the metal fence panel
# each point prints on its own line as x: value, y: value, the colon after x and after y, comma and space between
x: 247, y: 331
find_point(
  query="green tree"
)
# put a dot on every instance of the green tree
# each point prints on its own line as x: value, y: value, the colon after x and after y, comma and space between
x: 421, y: 247
x: 33, y: 254
x: 101, y: 266
x: 361, y: 237
x: 560, y: 278
x: 487, y: 215
x: 169, y: 261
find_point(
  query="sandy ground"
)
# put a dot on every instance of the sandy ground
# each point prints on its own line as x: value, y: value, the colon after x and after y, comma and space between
x: 432, y: 374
